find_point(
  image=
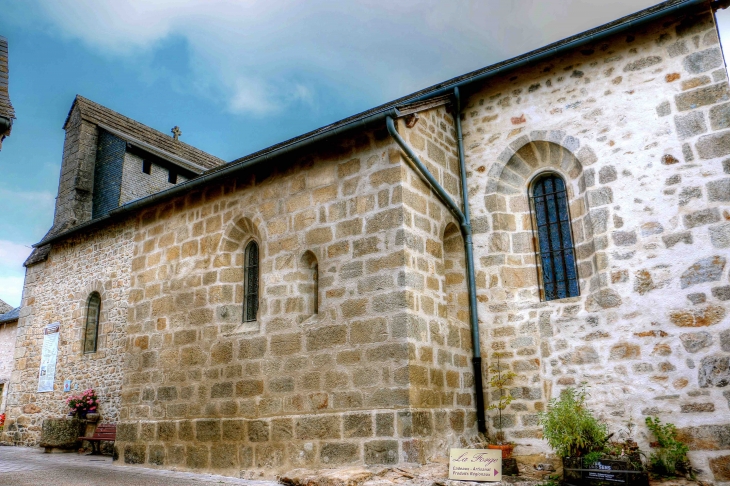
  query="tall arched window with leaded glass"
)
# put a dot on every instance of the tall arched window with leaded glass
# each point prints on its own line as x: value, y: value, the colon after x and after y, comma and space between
x: 556, y: 254
x: 251, y: 282
x: 91, y: 332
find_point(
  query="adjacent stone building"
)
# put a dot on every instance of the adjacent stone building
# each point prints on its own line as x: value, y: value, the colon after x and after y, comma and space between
x: 7, y: 113
x: 309, y: 305
x: 8, y: 328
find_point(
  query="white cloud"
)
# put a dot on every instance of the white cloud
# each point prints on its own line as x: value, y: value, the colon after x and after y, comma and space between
x: 12, y: 272
x: 260, y: 56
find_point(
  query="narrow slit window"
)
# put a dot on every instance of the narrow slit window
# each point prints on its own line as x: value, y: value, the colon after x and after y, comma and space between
x: 146, y: 166
x: 556, y: 254
x: 251, y: 282
x: 93, y: 309
x: 172, y: 177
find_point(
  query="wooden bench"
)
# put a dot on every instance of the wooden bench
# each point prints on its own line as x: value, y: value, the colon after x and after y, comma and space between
x: 103, y: 432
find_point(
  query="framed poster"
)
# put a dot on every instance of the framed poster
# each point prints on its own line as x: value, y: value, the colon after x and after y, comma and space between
x: 49, y: 355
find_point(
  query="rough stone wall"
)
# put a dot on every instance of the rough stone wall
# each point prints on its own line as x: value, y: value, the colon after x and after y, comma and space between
x: 204, y: 391
x: 136, y: 184
x: 57, y: 291
x: 636, y: 125
x: 7, y: 348
x: 441, y: 376
x: 74, y: 201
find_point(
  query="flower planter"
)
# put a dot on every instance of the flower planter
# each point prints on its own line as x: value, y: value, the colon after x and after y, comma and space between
x: 505, y: 448
x: 614, y: 471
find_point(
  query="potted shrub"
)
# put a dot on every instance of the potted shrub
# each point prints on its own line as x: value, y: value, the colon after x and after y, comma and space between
x: 498, y: 380
x: 582, y: 441
x: 670, y: 455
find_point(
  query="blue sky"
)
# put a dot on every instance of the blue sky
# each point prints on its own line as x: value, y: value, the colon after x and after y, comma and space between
x: 237, y: 76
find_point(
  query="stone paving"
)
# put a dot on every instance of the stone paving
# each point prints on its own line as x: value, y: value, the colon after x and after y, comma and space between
x: 21, y: 466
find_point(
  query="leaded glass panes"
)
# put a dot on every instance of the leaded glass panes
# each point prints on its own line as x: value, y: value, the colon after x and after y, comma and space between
x: 93, y: 308
x: 251, y: 282
x: 555, y: 241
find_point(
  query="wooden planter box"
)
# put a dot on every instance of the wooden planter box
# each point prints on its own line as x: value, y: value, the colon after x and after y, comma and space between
x: 609, y: 471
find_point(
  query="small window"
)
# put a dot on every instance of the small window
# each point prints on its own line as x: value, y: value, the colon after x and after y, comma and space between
x: 93, y: 308
x: 251, y: 282
x: 172, y: 177
x: 146, y: 166
x: 309, y: 283
x: 556, y: 255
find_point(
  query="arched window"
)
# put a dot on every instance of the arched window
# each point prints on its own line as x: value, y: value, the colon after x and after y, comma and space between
x: 251, y: 282
x: 93, y: 308
x: 556, y: 255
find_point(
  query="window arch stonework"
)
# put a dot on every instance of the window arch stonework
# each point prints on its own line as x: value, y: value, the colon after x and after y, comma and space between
x: 513, y: 228
x: 240, y: 237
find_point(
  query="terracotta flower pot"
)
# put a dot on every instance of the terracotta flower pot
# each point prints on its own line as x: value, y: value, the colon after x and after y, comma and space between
x: 505, y: 448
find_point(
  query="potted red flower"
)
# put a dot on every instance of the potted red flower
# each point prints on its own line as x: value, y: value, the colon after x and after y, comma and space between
x: 81, y: 405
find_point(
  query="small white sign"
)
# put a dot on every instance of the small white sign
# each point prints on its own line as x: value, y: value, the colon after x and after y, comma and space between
x: 475, y: 464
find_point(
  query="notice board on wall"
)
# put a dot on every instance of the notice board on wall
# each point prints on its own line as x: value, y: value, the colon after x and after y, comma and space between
x: 49, y: 355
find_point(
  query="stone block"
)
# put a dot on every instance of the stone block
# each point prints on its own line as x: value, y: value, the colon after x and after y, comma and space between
x: 135, y: 454
x: 714, y: 371
x: 696, y: 341
x: 713, y: 145
x: 703, y: 317
x: 708, y: 95
x: 339, y: 453
x: 703, y: 61
x: 357, y: 425
x: 720, y: 467
x: 258, y: 431
x: 672, y: 240
x: 720, y: 235
x: 63, y: 433
x: 600, y: 197
x: 720, y: 116
x: 705, y: 270
x: 721, y: 293
x: 207, y: 430
x: 326, y: 337
x: 642, y: 63
x: 705, y: 437
x: 224, y: 456
x: 719, y: 190
x: 381, y: 452
x: 690, y: 125
x: 623, y: 351
x: 318, y: 427
x: 702, y: 217
x: 663, y: 109
x: 624, y: 238
x: 384, y: 424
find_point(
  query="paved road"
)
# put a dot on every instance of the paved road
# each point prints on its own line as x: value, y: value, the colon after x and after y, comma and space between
x: 22, y: 466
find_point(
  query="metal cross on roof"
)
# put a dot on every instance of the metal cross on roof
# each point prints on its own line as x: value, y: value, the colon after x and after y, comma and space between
x: 176, y: 132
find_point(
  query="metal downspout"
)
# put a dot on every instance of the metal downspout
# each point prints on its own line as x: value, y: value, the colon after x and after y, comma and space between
x: 471, y: 279
x: 466, y: 233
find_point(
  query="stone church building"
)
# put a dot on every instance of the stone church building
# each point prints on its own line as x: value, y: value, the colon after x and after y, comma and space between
x: 332, y: 300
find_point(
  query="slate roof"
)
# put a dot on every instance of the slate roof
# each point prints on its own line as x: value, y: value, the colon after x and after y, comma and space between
x: 98, y: 114
x: 6, y: 108
x: 10, y: 316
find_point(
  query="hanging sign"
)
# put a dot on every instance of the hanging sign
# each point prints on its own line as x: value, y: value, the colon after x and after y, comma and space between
x: 475, y: 464
x: 49, y: 354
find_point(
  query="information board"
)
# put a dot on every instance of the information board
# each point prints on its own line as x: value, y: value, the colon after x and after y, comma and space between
x: 475, y: 464
x: 49, y: 354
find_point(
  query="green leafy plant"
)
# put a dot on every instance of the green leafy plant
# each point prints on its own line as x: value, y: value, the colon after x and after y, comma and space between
x: 498, y: 380
x: 671, y: 455
x: 570, y: 428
